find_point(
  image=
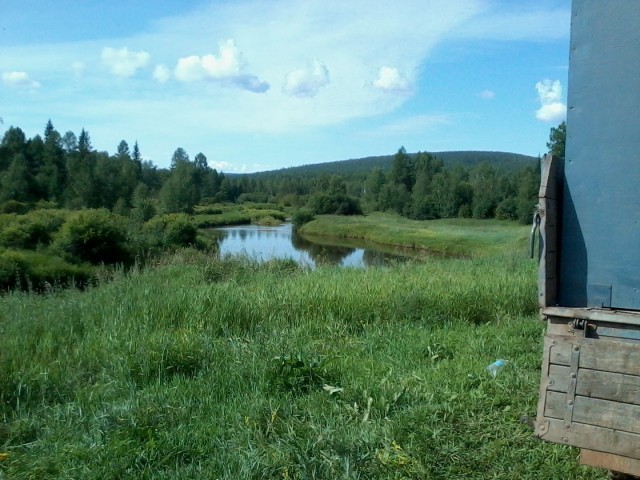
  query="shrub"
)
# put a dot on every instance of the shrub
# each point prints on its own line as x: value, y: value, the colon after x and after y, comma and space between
x: 37, y: 271
x: 29, y: 231
x: 95, y: 236
x: 302, y: 216
x: 336, y: 204
x: 169, y: 232
x: 208, y: 209
x: 13, y: 206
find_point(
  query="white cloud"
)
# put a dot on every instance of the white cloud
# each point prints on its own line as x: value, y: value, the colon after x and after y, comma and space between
x: 124, y: 63
x: 228, y: 68
x: 306, y: 82
x: 390, y: 80
x: 487, y: 94
x: 551, y: 107
x: 161, y: 74
x: 19, y: 80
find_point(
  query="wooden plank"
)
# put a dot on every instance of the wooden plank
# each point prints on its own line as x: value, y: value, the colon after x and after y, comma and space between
x: 594, y: 411
x: 548, y: 212
x: 627, y: 317
x: 559, y: 378
x: 610, y: 356
x: 550, y: 169
x: 560, y: 349
x: 592, y: 437
x: 606, y: 413
x: 597, y: 384
x: 554, y: 406
x: 617, y: 331
x: 598, y: 354
x: 609, y: 386
x: 547, y: 270
x: 615, y: 463
x: 555, y: 328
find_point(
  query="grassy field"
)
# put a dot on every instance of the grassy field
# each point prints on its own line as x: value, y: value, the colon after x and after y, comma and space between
x: 219, y: 215
x: 462, y: 237
x: 207, y: 368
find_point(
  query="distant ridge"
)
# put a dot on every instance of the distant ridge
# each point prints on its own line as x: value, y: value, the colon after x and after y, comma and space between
x: 503, y: 160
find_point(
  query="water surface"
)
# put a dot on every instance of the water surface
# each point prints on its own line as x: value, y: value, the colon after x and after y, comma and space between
x: 266, y: 243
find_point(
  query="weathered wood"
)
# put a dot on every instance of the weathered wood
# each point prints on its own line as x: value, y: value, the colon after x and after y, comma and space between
x: 550, y: 168
x: 609, y: 461
x: 597, y: 354
x: 597, y: 384
x: 562, y: 327
x: 594, y: 411
x: 613, y: 316
x: 591, y: 437
x: 548, y: 213
x: 617, y: 331
x: 544, y: 380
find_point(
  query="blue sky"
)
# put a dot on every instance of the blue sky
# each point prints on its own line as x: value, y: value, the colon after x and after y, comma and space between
x: 264, y: 84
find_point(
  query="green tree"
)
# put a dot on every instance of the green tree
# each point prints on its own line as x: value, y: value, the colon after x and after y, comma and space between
x: 122, y: 151
x: 372, y: 188
x: 179, y: 156
x: 143, y: 205
x: 557, y: 140
x: 81, y: 191
x: 180, y: 193
x: 69, y: 142
x: 52, y: 177
x: 17, y: 182
x: 402, y: 170
x: 84, y: 143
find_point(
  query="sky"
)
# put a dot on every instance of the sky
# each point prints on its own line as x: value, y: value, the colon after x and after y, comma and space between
x: 260, y: 85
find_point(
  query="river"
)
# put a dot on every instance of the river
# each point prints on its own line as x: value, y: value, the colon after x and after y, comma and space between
x: 266, y: 243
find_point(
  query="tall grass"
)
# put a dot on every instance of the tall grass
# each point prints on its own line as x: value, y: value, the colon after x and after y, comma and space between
x: 209, y: 368
x: 462, y: 237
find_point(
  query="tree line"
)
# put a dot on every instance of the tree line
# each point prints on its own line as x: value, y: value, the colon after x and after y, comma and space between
x: 66, y: 171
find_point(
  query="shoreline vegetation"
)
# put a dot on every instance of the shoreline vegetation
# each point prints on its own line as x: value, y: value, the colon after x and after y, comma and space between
x: 205, y: 367
x: 447, y: 237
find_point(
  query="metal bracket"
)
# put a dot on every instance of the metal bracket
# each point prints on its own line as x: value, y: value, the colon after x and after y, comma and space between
x: 532, y: 236
x: 571, y: 390
x: 542, y: 428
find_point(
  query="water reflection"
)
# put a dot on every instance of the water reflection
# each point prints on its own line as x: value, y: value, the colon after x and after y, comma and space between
x: 265, y: 243
x: 321, y: 254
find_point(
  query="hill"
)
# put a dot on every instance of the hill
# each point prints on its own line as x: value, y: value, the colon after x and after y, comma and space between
x: 505, y: 160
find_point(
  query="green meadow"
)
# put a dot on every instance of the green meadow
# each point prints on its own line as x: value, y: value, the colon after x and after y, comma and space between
x: 455, y: 237
x: 199, y: 367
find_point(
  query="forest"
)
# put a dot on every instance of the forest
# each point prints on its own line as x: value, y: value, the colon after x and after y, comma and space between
x: 65, y: 171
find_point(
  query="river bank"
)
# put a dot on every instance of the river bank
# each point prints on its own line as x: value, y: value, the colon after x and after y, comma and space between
x: 450, y: 237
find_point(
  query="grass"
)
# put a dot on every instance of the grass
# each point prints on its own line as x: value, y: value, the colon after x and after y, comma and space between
x: 458, y: 237
x: 231, y: 214
x: 209, y: 368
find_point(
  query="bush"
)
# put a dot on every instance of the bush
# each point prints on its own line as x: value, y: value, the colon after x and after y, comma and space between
x: 168, y: 232
x: 32, y: 230
x: 13, y: 206
x: 95, y: 236
x: 302, y: 216
x: 37, y: 271
x: 336, y: 204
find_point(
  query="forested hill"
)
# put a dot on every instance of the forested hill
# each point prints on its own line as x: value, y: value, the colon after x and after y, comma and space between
x: 502, y: 160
